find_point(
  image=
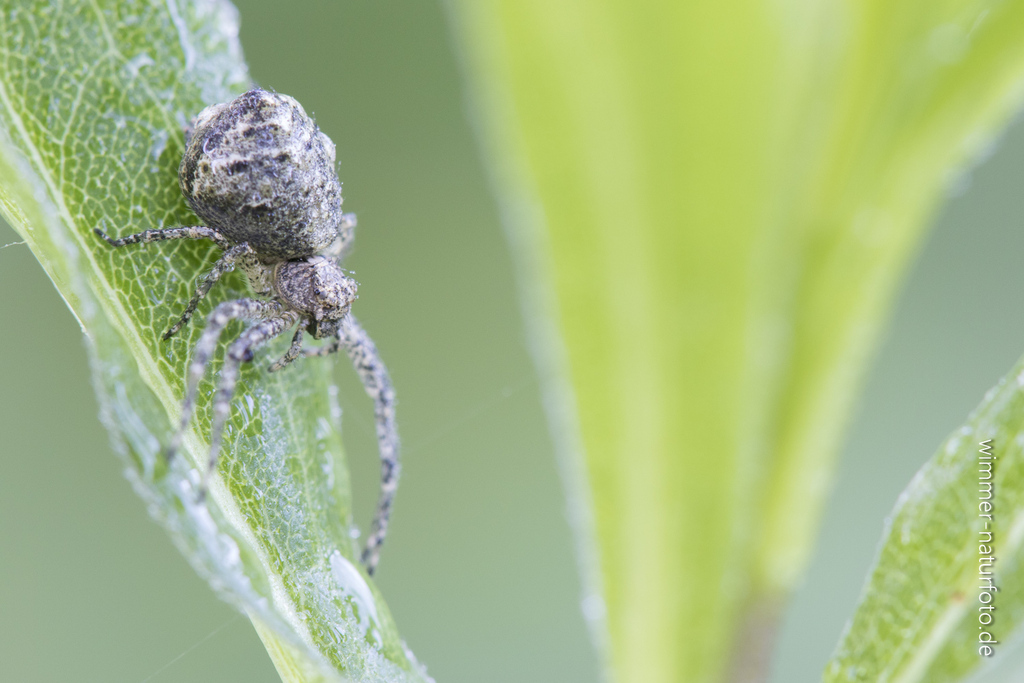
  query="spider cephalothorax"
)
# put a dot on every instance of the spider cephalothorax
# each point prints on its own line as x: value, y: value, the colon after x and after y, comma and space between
x: 261, y: 175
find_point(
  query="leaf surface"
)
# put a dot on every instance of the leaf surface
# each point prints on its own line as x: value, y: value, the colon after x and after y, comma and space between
x: 957, y: 530
x: 94, y: 97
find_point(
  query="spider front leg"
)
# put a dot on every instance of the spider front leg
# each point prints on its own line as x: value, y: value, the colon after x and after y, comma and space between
x: 322, y: 351
x: 240, y: 351
x: 248, y: 309
x: 368, y: 364
x: 294, y: 351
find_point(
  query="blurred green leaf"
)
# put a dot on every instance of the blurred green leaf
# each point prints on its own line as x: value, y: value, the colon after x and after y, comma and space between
x: 921, y: 615
x: 712, y: 205
x: 93, y: 100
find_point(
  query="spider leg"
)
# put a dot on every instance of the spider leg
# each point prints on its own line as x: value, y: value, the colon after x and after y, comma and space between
x: 240, y: 351
x: 225, y: 264
x: 346, y: 236
x: 348, y: 233
x: 294, y: 351
x: 147, y: 236
x: 321, y: 351
x: 215, y: 323
x: 363, y: 354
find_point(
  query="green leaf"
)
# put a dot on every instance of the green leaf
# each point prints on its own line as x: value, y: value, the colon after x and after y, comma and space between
x: 712, y: 205
x: 922, y: 612
x: 93, y: 100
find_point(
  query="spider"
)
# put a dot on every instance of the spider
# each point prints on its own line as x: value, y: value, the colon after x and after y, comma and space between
x: 261, y: 175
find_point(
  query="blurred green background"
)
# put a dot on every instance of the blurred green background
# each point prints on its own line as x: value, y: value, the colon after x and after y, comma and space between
x: 91, y: 590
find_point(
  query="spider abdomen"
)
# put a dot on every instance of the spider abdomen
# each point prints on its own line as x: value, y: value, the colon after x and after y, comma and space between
x: 258, y: 170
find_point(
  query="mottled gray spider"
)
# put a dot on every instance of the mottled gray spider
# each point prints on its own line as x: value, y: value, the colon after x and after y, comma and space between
x: 261, y: 175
